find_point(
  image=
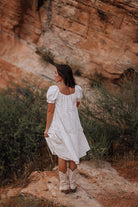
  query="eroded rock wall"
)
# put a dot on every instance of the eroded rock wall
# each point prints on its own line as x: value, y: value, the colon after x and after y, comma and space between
x: 21, y: 19
x: 97, y: 35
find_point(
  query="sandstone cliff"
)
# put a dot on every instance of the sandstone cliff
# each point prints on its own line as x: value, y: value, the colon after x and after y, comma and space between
x: 93, y: 34
x: 96, y: 34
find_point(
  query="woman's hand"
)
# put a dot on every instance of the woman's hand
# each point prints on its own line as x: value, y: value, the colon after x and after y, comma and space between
x: 45, y: 133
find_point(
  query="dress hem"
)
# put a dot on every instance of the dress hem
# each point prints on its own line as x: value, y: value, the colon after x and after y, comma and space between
x: 53, y: 151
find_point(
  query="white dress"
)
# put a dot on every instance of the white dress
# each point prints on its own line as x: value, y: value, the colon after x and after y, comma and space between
x: 66, y: 138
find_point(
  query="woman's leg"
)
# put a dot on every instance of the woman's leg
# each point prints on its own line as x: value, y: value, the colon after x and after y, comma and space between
x: 72, y: 165
x: 62, y: 165
x: 63, y: 177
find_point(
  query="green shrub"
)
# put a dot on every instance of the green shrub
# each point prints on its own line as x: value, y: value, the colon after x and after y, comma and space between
x: 112, y: 119
x: 22, y: 123
x: 96, y: 79
x: 46, y: 55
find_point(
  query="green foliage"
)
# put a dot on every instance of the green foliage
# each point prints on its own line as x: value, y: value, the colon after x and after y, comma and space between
x: 96, y: 79
x: 22, y: 123
x: 113, y: 118
x: 98, y: 136
x: 46, y: 55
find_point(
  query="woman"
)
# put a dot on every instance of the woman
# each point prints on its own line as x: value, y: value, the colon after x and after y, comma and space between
x: 64, y: 133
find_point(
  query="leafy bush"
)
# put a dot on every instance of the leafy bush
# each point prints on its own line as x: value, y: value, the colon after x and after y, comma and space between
x: 46, y: 55
x: 96, y: 79
x: 22, y: 123
x: 112, y: 120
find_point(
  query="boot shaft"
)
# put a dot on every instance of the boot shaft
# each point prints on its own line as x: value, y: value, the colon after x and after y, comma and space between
x: 63, y: 179
x: 72, y: 179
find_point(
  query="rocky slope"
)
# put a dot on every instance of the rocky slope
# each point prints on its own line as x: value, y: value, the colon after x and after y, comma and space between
x: 96, y: 35
x: 9, y: 72
x: 92, y: 34
x: 99, y: 185
x: 20, y: 19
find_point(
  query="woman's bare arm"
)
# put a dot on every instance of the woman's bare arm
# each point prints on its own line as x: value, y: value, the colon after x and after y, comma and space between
x: 77, y: 104
x: 50, y: 112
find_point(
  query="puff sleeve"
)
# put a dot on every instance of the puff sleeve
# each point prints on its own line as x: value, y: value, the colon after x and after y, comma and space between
x: 79, y: 93
x: 52, y: 94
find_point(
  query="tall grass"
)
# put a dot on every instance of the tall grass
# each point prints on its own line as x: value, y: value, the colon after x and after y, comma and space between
x: 111, y: 123
x: 22, y: 123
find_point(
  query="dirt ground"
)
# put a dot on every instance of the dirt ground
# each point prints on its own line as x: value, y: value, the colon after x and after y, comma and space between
x: 128, y: 170
x: 99, y: 185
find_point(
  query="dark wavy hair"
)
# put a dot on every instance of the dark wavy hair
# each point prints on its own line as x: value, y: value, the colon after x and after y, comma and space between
x: 66, y: 73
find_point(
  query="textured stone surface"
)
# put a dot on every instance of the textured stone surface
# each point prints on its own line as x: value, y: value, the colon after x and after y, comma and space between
x: 20, y: 19
x: 97, y: 35
x: 93, y: 34
x: 98, y: 184
x: 10, y: 73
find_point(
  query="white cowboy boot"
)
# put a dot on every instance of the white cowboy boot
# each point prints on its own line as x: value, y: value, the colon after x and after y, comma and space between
x: 64, y: 183
x: 72, y: 180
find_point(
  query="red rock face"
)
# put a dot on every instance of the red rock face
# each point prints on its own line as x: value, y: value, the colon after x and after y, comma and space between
x: 97, y: 35
x: 21, y: 19
x: 93, y: 34
x: 10, y: 73
x: 20, y: 29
